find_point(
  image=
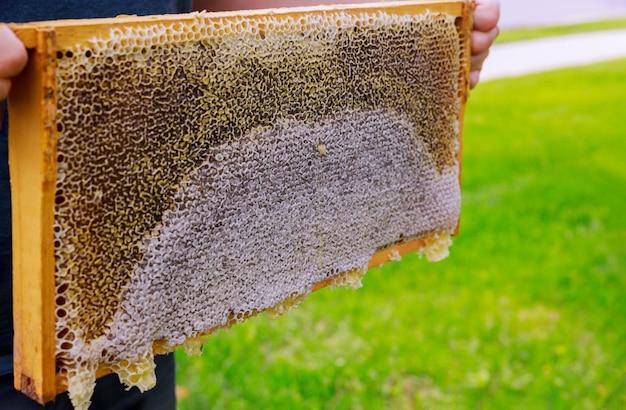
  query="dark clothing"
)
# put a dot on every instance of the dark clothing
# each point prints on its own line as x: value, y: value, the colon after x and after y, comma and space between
x: 109, y: 394
x: 28, y: 10
x: 6, y: 321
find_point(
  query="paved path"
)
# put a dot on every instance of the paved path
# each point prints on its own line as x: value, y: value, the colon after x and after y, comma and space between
x: 526, y: 57
x: 524, y: 13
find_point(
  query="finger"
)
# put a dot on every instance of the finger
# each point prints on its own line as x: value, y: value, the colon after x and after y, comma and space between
x: 474, y: 77
x: 476, y: 62
x: 13, y: 55
x: 482, y: 41
x: 5, y: 85
x: 486, y: 15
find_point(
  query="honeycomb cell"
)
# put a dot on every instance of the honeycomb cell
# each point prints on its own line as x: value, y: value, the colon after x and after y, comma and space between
x: 213, y: 170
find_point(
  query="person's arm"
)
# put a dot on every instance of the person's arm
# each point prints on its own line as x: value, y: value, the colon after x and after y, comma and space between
x: 13, y: 58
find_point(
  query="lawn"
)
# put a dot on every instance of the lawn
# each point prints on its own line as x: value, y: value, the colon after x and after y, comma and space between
x: 531, y: 33
x: 529, y: 310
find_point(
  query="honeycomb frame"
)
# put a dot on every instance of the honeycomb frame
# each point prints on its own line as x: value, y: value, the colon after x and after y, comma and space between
x: 33, y: 137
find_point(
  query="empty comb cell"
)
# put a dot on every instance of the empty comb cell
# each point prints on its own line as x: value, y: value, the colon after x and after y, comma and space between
x: 174, y: 175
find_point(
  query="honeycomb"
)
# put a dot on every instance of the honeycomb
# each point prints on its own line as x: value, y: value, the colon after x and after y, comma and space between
x: 213, y: 170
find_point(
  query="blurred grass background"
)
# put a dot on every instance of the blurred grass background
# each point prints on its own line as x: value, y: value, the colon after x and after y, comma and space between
x: 532, y: 33
x: 529, y: 310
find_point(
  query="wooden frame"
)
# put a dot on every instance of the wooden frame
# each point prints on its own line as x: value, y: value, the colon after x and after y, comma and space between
x: 32, y: 150
x: 33, y: 178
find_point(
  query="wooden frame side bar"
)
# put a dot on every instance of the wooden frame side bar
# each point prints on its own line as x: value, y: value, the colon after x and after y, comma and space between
x: 32, y: 160
x: 464, y: 26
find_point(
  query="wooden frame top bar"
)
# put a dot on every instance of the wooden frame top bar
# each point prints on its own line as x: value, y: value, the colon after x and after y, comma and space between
x: 70, y: 32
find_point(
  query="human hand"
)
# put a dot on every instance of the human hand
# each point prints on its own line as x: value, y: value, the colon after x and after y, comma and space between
x: 13, y: 58
x: 484, y: 32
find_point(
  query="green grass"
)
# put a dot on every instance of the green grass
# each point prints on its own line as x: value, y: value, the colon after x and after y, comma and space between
x: 507, y: 36
x: 527, y: 313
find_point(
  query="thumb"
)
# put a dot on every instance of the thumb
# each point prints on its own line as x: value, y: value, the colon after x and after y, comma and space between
x: 13, y: 58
